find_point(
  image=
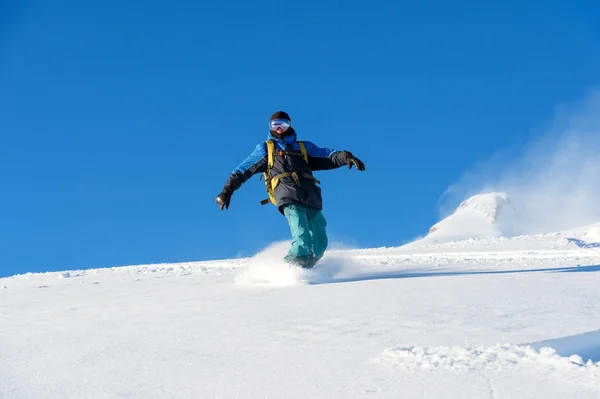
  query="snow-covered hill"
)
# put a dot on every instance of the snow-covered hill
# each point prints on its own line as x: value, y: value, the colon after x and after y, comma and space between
x: 589, y: 234
x: 495, y: 317
x: 482, y: 215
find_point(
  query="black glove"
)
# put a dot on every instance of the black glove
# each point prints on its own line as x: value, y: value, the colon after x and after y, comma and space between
x: 352, y: 160
x: 224, y: 199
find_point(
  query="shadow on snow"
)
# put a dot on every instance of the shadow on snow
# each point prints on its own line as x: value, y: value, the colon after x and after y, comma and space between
x: 586, y: 345
x: 584, y: 244
x: 384, y: 275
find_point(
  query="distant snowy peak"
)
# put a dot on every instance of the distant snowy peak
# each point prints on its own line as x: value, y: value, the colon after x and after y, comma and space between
x: 482, y: 215
x: 491, y: 206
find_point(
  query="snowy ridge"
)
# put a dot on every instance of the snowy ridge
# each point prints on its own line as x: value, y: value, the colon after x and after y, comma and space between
x: 569, y: 247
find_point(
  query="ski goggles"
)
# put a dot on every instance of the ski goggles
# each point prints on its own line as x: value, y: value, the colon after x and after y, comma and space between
x: 280, y: 123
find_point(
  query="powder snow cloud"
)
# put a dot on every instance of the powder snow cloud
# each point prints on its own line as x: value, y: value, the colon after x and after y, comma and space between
x: 553, y: 181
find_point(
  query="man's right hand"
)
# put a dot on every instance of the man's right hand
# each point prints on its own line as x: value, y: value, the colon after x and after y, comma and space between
x: 223, y: 200
x: 351, y: 161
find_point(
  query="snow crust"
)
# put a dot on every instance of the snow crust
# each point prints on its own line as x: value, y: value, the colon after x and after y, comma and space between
x: 488, y: 317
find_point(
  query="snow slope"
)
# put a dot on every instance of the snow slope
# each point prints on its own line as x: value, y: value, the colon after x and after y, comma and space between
x: 480, y: 318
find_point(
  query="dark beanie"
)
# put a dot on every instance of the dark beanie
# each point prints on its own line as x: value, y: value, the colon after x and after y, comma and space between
x: 280, y: 115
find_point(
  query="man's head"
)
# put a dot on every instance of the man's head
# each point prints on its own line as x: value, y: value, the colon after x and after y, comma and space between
x: 279, y: 124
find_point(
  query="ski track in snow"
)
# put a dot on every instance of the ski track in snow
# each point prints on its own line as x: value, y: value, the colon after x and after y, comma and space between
x: 486, y: 318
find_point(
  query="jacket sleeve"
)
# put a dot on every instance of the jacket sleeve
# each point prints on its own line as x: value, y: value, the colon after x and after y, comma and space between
x: 254, y: 163
x: 325, y: 158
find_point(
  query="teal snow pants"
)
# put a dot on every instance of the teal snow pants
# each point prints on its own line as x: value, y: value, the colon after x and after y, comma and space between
x: 309, y: 235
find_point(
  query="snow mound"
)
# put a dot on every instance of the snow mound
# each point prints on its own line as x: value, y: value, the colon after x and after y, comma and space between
x: 481, y: 216
x: 477, y: 358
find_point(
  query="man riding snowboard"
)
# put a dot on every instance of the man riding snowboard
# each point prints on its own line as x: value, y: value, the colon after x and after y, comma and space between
x: 287, y: 165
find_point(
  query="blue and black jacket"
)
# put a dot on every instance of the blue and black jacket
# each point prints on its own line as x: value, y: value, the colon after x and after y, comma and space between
x: 289, y: 158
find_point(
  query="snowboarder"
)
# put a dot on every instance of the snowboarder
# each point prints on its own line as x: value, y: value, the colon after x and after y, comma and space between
x: 287, y: 166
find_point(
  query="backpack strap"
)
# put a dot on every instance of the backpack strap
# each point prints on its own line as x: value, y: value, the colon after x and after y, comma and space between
x: 303, y: 149
x: 270, y: 153
x: 270, y: 163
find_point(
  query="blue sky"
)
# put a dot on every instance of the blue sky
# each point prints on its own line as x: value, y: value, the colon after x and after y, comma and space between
x: 121, y: 121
